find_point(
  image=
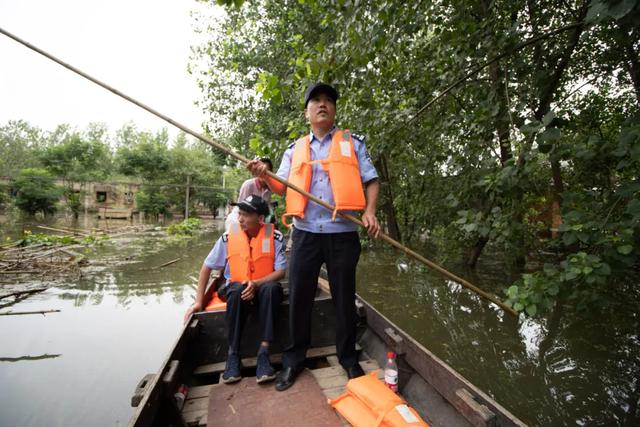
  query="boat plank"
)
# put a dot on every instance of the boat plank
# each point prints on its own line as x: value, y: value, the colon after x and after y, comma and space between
x: 196, y: 404
x: 250, y: 362
x: 199, y: 391
x: 195, y: 418
x: 249, y: 404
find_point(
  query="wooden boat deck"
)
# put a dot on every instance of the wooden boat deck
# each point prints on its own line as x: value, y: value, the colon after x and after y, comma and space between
x: 328, y: 378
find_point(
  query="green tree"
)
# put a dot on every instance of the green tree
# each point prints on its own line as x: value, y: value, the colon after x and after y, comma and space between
x: 36, y: 192
x: 490, y: 123
x: 4, y: 196
x: 146, y: 156
x: 152, y: 202
x: 19, y: 147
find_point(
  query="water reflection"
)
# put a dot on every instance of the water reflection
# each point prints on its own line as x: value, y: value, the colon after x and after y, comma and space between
x: 566, y: 369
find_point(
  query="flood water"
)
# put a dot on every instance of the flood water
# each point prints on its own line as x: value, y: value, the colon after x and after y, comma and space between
x: 117, y: 323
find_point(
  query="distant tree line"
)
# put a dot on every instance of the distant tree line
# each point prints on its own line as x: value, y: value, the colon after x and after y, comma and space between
x: 34, y: 159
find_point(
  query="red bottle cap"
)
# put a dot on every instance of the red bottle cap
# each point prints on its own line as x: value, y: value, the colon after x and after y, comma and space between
x: 391, y: 355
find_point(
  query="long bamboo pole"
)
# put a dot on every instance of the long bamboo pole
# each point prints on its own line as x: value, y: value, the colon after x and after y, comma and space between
x: 243, y: 159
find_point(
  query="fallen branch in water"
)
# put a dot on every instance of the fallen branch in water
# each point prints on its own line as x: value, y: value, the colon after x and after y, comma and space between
x: 21, y: 358
x: 167, y: 263
x: 22, y: 313
x: 19, y: 293
x: 68, y: 231
x: 21, y: 272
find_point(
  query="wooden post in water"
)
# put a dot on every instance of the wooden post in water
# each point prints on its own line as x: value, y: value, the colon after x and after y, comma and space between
x: 186, y: 202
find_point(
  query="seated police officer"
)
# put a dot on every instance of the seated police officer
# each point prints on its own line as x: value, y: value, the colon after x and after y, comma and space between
x: 252, y: 255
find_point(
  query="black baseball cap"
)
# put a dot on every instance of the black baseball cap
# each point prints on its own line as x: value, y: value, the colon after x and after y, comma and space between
x: 253, y: 204
x: 317, y: 88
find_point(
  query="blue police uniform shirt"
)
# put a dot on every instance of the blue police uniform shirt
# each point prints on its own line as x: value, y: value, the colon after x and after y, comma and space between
x: 316, y: 218
x: 217, y: 258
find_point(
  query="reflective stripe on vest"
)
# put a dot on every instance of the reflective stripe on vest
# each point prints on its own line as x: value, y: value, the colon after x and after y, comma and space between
x: 250, y: 260
x: 342, y: 167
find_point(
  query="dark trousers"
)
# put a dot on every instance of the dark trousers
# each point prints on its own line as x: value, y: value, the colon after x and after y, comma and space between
x: 340, y: 252
x: 267, y: 300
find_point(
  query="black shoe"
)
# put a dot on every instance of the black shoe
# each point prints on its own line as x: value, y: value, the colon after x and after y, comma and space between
x: 286, y: 378
x: 354, y: 371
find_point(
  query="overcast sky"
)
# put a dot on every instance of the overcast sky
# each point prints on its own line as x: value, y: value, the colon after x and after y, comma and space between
x: 140, y: 47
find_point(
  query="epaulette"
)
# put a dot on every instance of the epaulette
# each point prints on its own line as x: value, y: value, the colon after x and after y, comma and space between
x: 359, y: 136
x: 291, y: 145
x: 225, y: 237
x: 278, y: 235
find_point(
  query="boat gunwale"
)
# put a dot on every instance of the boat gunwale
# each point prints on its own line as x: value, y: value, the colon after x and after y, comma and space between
x: 413, y: 352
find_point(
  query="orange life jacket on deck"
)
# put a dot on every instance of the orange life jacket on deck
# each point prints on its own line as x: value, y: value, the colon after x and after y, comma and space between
x: 367, y: 402
x: 250, y: 260
x: 344, y: 175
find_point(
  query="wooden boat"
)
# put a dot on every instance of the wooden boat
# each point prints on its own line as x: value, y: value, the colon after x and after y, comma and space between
x: 439, y: 394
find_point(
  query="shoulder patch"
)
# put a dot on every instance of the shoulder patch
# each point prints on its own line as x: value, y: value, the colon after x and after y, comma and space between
x: 225, y: 236
x: 359, y: 136
x: 278, y: 235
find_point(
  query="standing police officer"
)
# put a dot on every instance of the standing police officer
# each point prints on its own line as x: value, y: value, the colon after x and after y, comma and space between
x: 333, y: 165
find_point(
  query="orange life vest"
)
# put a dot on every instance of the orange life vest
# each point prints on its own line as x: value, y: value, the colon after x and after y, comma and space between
x: 367, y: 402
x: 250, y: 260
x: 215, y: 303
x: 344, y: 175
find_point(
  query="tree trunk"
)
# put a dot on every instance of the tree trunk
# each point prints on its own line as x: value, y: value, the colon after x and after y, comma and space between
x: 633, y: 62
x: 544, y: 106
x: 556, y: 191
x: 502, y: 118
x: 476, y: 251
x: 387, y: 205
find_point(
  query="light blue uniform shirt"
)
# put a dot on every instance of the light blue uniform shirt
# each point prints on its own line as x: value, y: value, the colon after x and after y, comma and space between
x: 217, y: 258
x: 316, y: 218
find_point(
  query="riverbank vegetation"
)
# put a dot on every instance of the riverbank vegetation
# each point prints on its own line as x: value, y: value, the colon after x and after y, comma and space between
x: 505, y: 128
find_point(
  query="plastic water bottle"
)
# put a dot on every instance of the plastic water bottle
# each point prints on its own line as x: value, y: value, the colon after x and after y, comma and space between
x: 180, y: 396
x: 391, y: 372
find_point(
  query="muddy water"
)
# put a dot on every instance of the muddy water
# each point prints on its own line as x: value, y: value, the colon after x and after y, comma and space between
x: 118, y: 321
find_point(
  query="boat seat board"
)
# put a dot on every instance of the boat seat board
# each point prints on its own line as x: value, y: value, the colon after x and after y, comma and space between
x: 250, y: 404
x: 250, y: 362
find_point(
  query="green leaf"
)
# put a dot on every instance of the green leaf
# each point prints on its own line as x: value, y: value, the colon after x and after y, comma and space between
x: 621, y: 8
x: 596, y: 9
x: 604, y: 269
x: 532, y: 310
x: 545, y: 148
x: 550, y: 134
x: 625, y: 249
x: 518, y: 306
x: 470, y: 227
x: 512, y: 291
x: 570, y: 275
x: 548, y: 118
x: 569, y: 238
x: 633, y: 208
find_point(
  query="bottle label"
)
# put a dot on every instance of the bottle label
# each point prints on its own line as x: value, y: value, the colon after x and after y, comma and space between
x: 391, y: 377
